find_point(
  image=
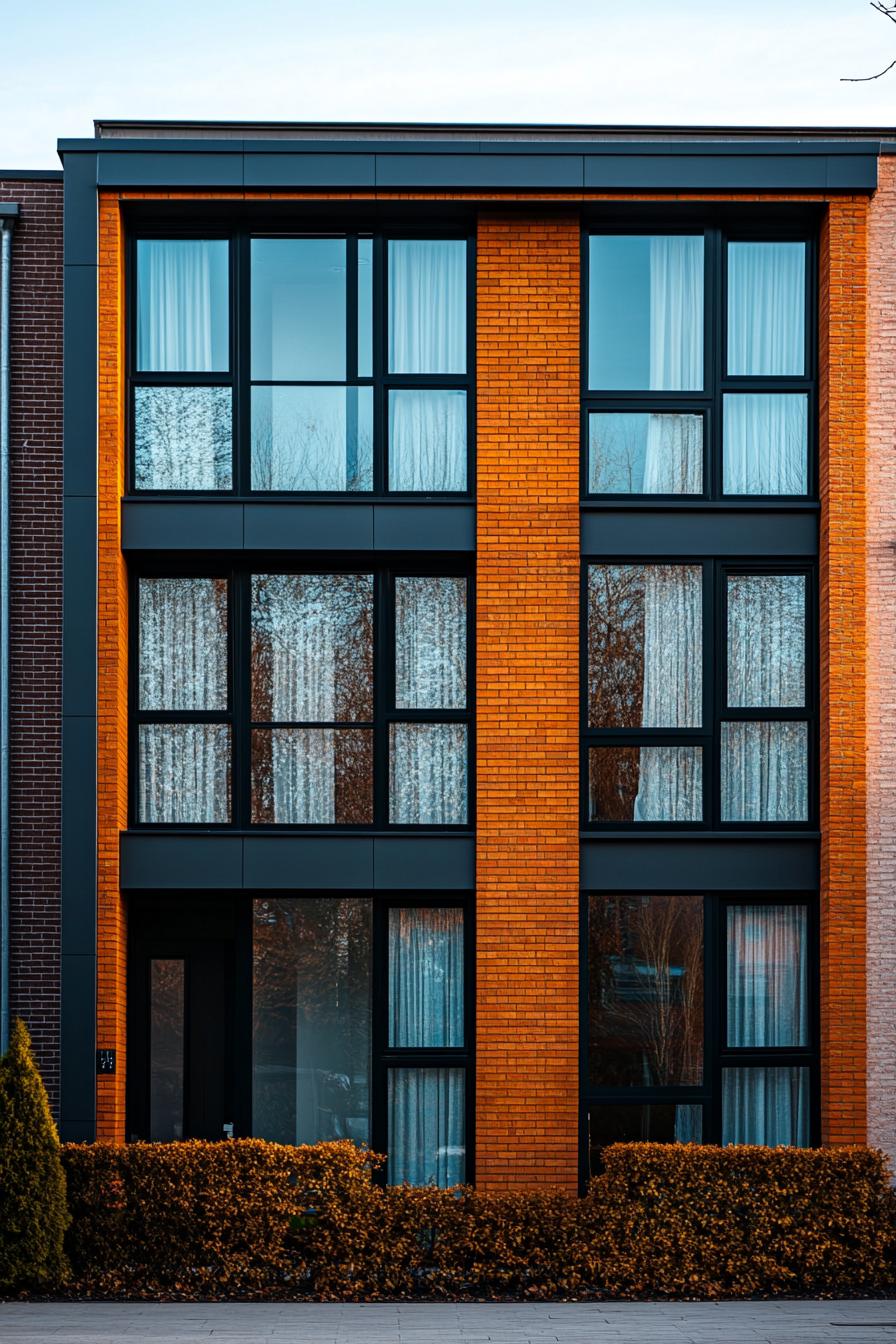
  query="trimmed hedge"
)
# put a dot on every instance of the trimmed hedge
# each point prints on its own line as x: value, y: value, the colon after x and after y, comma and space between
x: 252, y: 1219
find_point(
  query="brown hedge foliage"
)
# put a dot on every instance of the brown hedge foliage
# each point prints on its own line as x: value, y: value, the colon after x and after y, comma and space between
x: 247, y: 1218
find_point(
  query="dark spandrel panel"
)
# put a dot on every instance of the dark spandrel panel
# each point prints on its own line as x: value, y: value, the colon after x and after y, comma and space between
x: 765, y: 438
x: 428, y: 439
x: 767, y: 308
x: 427, y: 305
x: 311, y: 1019
x: 183, y: 438
x: 166, y: 1050
x: 312, y: 438
x: 430, y: 642
x: 645, y: 313
x: 312, y: 776
x: 654, y: 783
x: 183, y: 644
x: 664, y: 1122
x: 427, y: 1141
x: 645, y: 646
x: 767, y: 1106
x: 183, y: 305
x: 312, y: 648
x: 184, y: 773
x: 428, y: 774
x: 645, y: 991
x: 633, y: 453
x: 767, y: 640
x: 298, y: 309
x: 765, y: 771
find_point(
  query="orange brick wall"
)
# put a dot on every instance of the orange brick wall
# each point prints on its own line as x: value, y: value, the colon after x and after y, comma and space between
x: 527, y: 708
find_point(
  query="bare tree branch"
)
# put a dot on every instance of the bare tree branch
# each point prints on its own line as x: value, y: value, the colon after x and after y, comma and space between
x: 889, y: 12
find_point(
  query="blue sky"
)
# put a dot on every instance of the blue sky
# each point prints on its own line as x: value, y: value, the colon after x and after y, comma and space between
x: 759, y: 62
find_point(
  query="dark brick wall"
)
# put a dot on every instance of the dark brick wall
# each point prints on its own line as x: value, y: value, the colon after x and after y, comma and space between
x: 36, y: 612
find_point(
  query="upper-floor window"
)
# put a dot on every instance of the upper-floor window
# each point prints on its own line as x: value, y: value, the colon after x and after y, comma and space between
x: 301, y: 364
x: 699, y: 366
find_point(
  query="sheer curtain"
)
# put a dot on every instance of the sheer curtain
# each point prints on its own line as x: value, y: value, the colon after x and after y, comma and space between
x: 181, y: 298
x: 427, y: 439
x: 766, y: 308
x: 765, y: 1106
x: 426, y: 977
x: 426, y: 1126
x: 184, y: 776
x: 673, y: 463
x: 430, y: 642
x: 427, y: 306
x: 767, y: 994
x: 428, y: 774
x: 676, y: 314
x: 765, y: 443
x: 183, y: 438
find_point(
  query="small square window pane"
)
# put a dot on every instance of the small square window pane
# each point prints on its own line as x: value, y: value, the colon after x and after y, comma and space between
x: 183, y: 644
x: 427, y: 1143
x: 645, y: 646
x: 312, y: 776
x: 662, y: 783
x: 426, y: 976
x: 765, y: 771
x: 765, y: 443
x: 365, y: 307
x: 767, y: 308
x: 430, y: 642
x: 633, y: 453
x: 299, y: 309
x: 428, y: 774
x: 428, y: 440
x: 183, y: 305
x: 769, y: 1106
x: 767, y: 973
x: 645, y: 313
x: 312, y: 438
x: 184, y: 773
x: 767, y: 640
x: 183, y: 438
x: 427, y: 306
x: 660, y: 1122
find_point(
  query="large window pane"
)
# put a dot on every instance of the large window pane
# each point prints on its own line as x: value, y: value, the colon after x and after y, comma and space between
x: 765, y: 771
x: 767, y: 640
x: 663, y: 1122
x: 767, y: 308
x: 183, y: 438
x: 166, y: 1050
x: 184, y: 773
x: 312, y: 648
x: 426, y: 1127
x: 645, y: 784
x: 765, y: 443
x: 183, y: 298
x: 767, y: 994
x: 645, y: 313
x: 645, y: 975
x: 427, y: 306
x: 635, y: 453
x: 311, y: 1019
x: 365, y: 307
x: 645, y: 646
x: 299, y: 309
x: 312, y: 438
x: 426, y: 976
x: 428, y: 774
x: 427, y: 439
x: 430, y: 642
x: 767, y: 1106
x: 183, y: 644
x: 312, y: 776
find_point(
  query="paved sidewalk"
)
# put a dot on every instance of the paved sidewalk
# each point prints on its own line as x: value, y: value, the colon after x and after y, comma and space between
x: 451, y: 1323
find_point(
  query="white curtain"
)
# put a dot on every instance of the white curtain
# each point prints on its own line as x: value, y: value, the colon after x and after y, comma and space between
x: 670, y: 784
x: 427, y: 306
x: 428, y: 774
x: 426, y: 977
x: 767, y: 640
x: 184, y: 772
x: 427, y: 439
x: 673, y: 463
x: 183, y: 644
x: 765, y: 771
x: 768, y: 1106
x: 426, y: 1127
x: 766, y: 308
x: 430, y: 642
x: 688, y: 1124
x: 676, y: 314
x: 767, y: 997
x: 183, y: 438
x: 765, y: 443
x: 182, y: 305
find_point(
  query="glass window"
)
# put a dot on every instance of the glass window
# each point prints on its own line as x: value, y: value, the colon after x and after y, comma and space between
x: 767, y: 308
x: 365, y: 307
x: 311, y: 1036
x: 645, y: 978
x: 645, y: 313
x: 166, y: 1050
x: 427, y: 306
x: 645, y: 784
x: 183, y: 305
x: 184, y: 773
x: 183, y: 644
x: 428, y: 774
x: 427, y: 439
x: 768, y: 1106
x: 765, y: 443
x: 636, y: 453
x: 655, y: 1122
x: 765, y: 771
x: 299, y: 309
x: 183, y: 438
x: 312, y: 438
x: 767, y: 640
x: 767, y: 1000
x: 430, y: 642
x: 426, y: 977
x: 427, y: 1143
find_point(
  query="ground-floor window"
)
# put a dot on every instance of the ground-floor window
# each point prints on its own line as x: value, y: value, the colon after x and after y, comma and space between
x: 701, y: 1021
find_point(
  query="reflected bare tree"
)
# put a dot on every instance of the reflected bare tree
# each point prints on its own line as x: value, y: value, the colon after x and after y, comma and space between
x: 889, y: 12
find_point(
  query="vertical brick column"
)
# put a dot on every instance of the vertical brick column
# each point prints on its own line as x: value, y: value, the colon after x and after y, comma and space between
x: 842, y: 610
x: 112, y: 664
x: 527, y: 733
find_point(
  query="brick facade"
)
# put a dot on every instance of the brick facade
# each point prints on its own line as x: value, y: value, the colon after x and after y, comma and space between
x: 35, y: 686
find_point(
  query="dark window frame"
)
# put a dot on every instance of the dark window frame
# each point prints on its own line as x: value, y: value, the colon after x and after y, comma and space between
x: 239, y: 714
x: 239, y: 378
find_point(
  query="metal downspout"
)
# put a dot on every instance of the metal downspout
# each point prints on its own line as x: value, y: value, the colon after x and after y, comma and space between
x: 6, y: 223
